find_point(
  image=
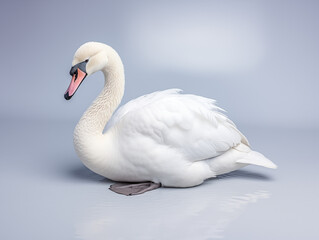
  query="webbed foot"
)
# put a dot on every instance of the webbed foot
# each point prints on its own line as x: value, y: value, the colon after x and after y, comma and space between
x: 129, y: 189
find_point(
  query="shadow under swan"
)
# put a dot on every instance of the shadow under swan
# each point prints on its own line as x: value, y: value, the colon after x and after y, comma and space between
x: 204, y: 212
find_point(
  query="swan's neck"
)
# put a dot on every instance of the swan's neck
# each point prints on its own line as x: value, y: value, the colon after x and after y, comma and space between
x: 89, y: 130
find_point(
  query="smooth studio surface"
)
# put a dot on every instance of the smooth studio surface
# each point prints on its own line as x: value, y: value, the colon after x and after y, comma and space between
x: 258, y: 59
x: 48, y: 194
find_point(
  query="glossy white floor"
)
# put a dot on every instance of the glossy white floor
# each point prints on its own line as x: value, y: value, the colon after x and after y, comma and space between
x: 46, y: 193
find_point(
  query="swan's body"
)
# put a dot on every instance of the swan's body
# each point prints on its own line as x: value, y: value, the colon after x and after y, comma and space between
x: 177, y: 140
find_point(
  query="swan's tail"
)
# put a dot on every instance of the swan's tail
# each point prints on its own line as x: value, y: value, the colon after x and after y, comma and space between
x: 257, y: 158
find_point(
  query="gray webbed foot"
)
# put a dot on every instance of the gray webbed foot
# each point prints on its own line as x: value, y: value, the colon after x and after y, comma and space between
x: 129, y: 189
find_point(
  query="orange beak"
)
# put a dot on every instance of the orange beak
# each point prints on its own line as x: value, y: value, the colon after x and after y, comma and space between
x: 77, y: 79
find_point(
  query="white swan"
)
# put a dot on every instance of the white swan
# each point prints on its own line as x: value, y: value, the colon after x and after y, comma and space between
x: 163, y: 138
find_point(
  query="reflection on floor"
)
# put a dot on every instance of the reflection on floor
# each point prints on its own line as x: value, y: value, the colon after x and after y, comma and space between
x: 46, y: 193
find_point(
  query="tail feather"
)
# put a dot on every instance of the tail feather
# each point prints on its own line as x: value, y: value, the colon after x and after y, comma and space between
x: 257, y: 158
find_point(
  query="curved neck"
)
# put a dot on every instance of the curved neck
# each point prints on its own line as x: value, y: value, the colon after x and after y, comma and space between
x: 93, y: 121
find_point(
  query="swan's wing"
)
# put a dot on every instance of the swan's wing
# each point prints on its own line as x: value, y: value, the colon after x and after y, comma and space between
x: 139, y: 103
x: 190, y: 124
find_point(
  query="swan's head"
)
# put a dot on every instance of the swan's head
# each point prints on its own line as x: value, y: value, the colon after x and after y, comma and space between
x: 88, y: 59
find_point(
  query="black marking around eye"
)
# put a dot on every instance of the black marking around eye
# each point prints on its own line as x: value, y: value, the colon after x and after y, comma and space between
x: 73, y: 70
x: 81, y: 66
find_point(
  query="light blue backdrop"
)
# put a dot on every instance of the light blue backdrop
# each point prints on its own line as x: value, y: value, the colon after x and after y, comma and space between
x: 259, y: 59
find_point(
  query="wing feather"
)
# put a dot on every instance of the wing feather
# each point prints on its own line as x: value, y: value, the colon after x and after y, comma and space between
x: 190, y: 124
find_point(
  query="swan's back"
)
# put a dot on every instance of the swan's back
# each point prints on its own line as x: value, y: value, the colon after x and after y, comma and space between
x: 139, y: 103
x: 192, y: 125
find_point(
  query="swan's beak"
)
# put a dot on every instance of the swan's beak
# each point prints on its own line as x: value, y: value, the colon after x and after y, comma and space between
x: 77, y: 79
x: 78, y: 73
x: 78, y: 76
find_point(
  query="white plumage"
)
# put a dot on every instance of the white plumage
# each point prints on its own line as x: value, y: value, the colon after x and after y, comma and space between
x: 166, y: 137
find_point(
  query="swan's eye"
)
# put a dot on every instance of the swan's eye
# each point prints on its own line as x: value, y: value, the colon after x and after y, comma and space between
x: 73, y: 70
x: 86, y: 60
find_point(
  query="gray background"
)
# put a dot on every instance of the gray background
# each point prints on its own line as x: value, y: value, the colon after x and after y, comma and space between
x: 259, y: 59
